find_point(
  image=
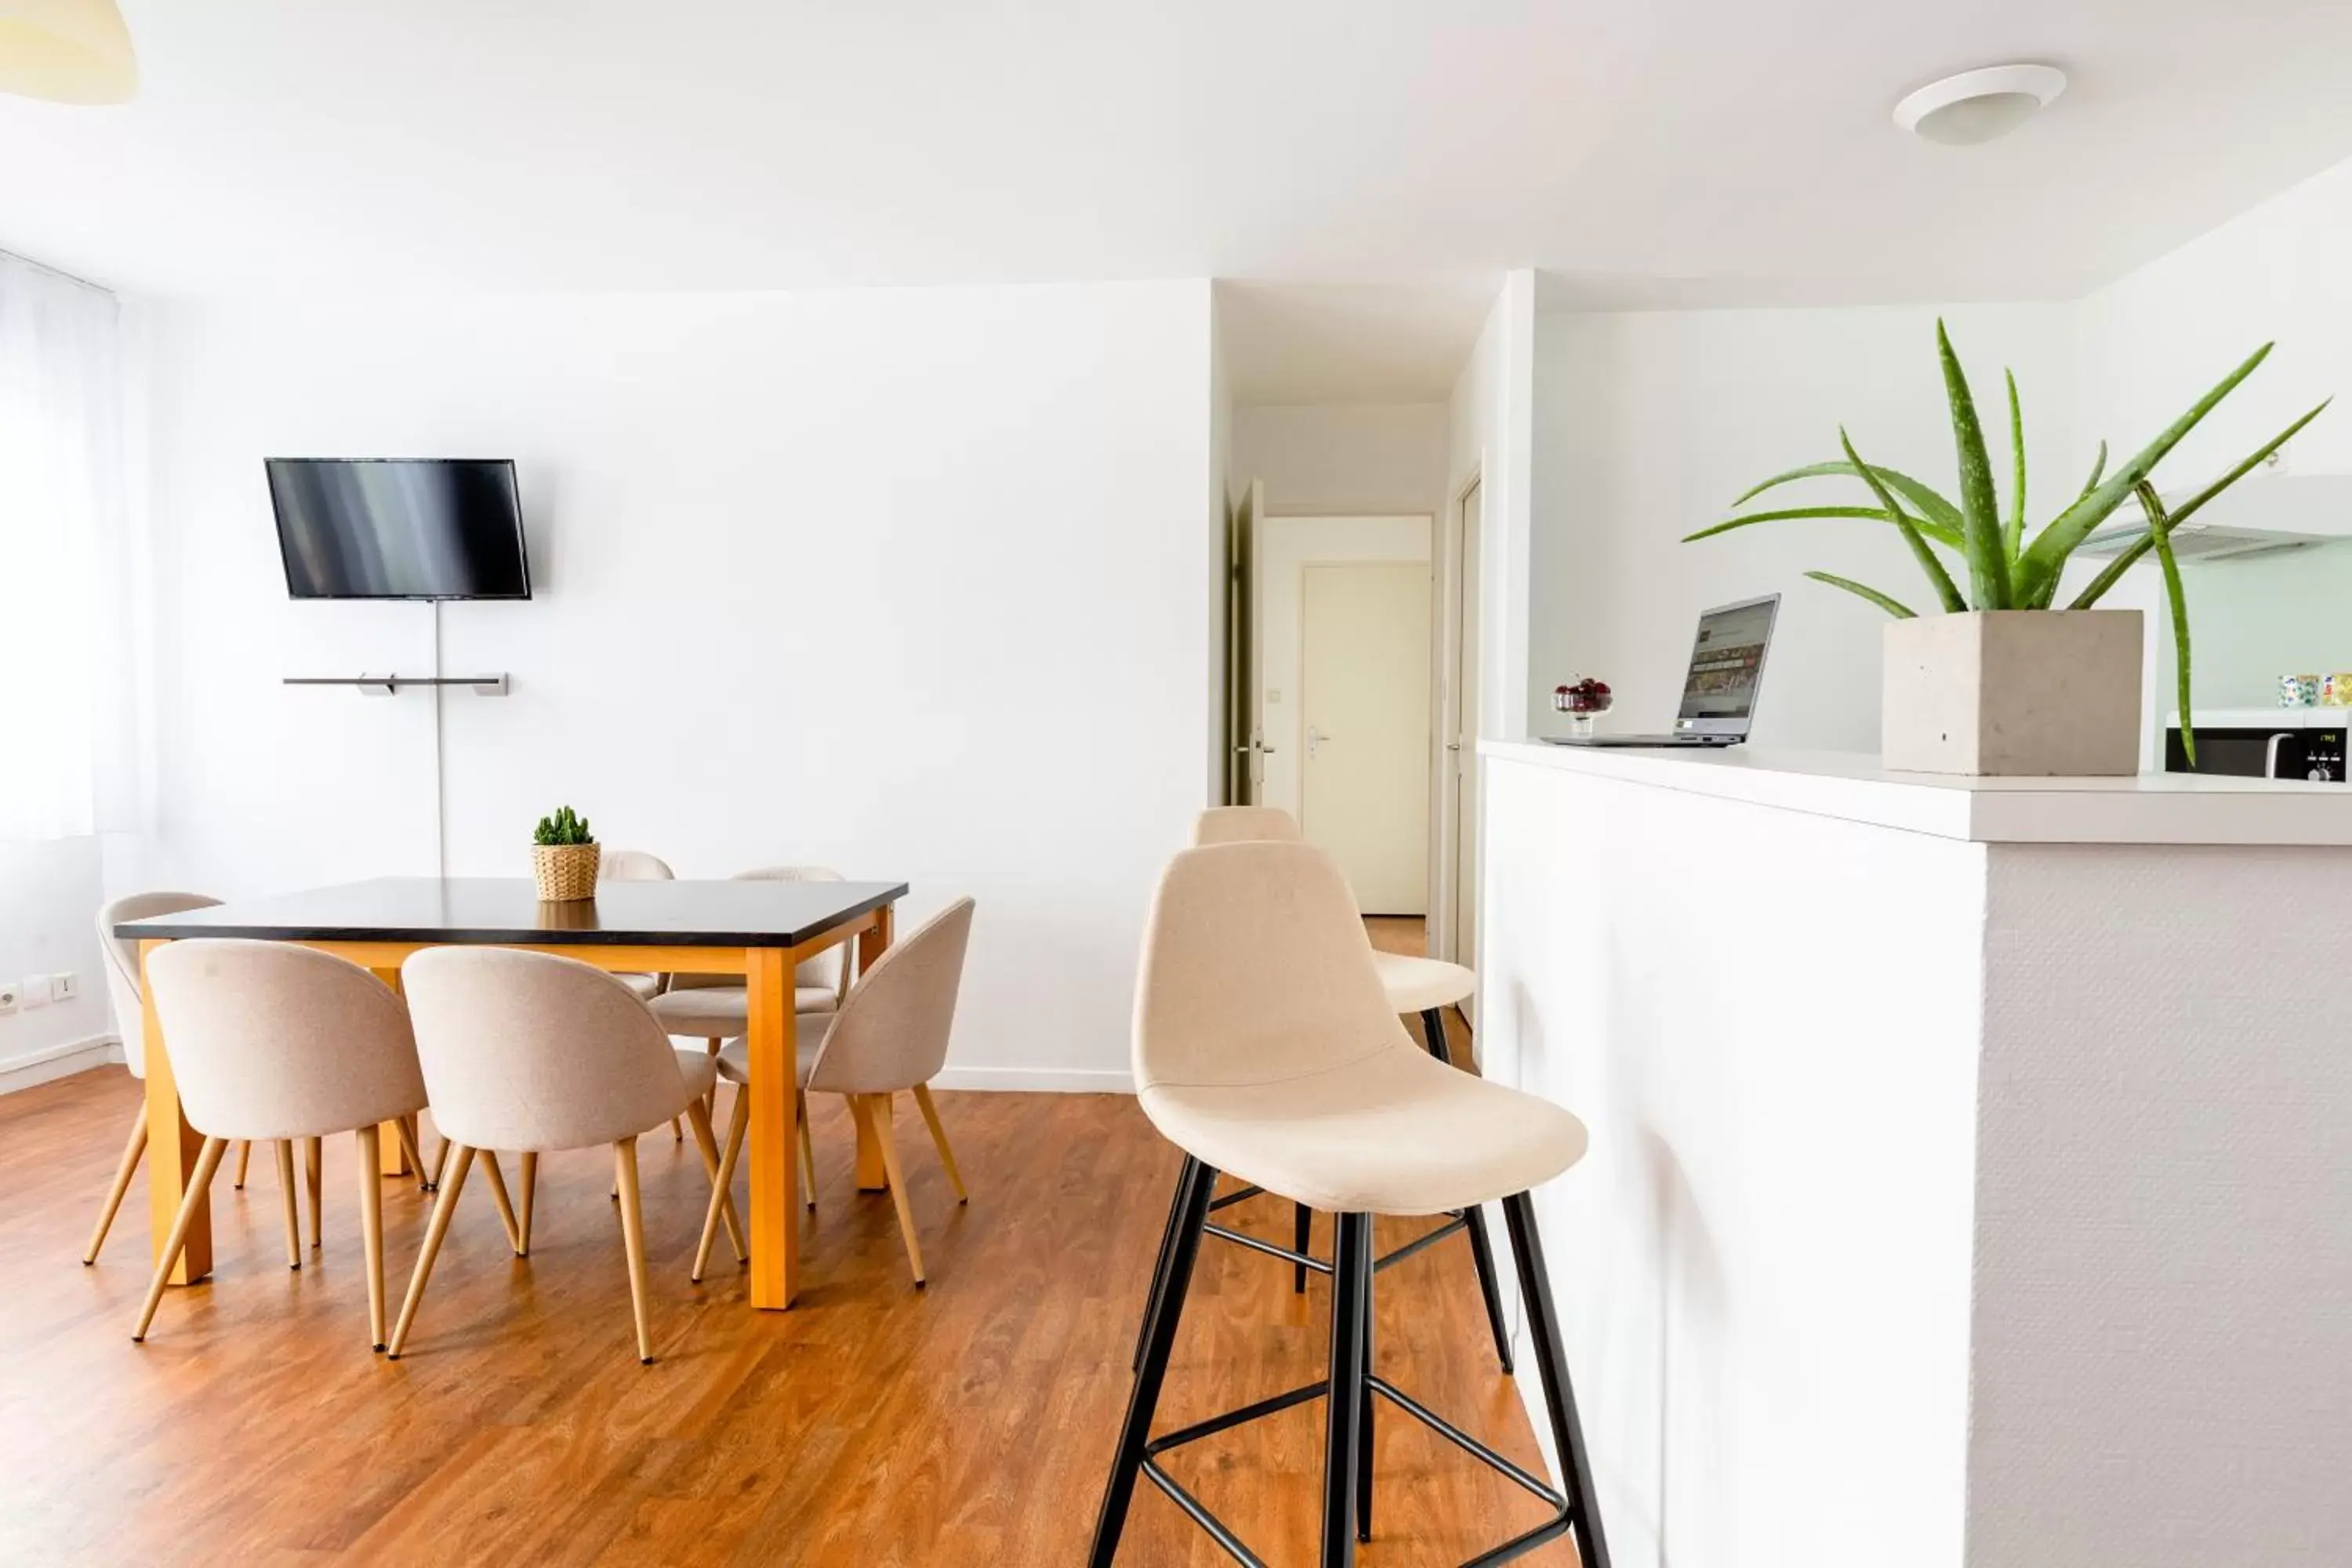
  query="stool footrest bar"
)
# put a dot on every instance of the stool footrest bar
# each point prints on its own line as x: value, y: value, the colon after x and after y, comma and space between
x: 1199, y: 1513
x: 1417, y: 1243
x: 1462, y: 1440
x: 1231, y: 1418
x: 1238, y: 1195
x: 1269, y: 1248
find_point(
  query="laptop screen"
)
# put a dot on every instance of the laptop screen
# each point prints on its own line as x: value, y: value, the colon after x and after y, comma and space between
x: 1727, y: 665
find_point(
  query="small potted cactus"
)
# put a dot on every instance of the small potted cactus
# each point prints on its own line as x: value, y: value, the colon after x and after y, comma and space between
x: 563, y: 856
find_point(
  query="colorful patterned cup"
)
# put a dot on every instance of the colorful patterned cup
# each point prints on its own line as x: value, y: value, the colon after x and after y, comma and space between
x: 2336, y: 690
x: 2298, y: 690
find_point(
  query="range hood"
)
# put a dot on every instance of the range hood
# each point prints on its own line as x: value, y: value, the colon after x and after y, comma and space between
x: 2262, y: 514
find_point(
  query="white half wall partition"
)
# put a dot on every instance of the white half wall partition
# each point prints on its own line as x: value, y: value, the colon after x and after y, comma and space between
x: 910, y: 583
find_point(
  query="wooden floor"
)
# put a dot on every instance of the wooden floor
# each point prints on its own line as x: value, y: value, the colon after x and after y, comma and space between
x: 967, y: 1424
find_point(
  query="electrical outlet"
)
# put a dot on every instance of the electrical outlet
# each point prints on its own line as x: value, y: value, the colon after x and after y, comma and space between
x: 11, y: 996
x: 64, y: 987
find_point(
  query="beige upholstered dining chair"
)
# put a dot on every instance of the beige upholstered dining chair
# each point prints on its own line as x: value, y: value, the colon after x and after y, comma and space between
x: 270, y: 1040
x: 714, y: 1007
x: 636, y: 866
x: 130, y: 1022
x: 528, y: 1051
x: 890, y: 1034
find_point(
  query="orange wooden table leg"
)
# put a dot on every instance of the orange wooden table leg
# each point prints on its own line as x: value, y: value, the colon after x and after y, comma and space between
x: 171, y: 1148
x: 391, y: 1152
x: 774, y: 1134
x: 872, y: 1175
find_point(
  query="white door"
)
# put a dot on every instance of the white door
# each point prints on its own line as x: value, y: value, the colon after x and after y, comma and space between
x: 1364, y: 700
x: 1464, y: 742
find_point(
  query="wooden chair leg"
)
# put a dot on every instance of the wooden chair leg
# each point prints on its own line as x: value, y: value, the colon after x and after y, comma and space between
x: 808, y: 1152
x: 200, y: 1182
x: 940, y: 1138
x: 530, y: 1193
x: 313, y: 1169
x: 293, y: 1215
x: 243, y: 1158
x: 440, y: 1164
x: 499, y: 1196
x: 406, y: 1127
x: 632, y: 1238
x: 875, y: 1108
x: 444, y: 1206
x: 722, y: 1180
x: 122, y: 1174
x: 699, y: 1119
x: 371, y: 1150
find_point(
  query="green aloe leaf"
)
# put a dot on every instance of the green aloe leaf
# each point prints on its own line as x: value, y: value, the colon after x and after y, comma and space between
x: 2159, y: 531
x: 2098, y: 467
x: 1944, y: 536
x: 1900, y: 610
x: 2046, y: 556
x: 1979, y: 507
x: 2013, y: 538
x: 1941, y: 580
x: 2139, y: 547
x: 1924, y: 500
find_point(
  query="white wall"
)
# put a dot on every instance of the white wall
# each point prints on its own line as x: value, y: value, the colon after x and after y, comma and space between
x: 1649, y: 424
x: 1492, y: 419
x: 1339, y: 459
x: 2155, y: 340
x: 904, y: 582
x: 49, y: 894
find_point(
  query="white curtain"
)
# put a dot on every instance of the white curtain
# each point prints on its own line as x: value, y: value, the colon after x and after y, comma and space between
x: 68, y: 761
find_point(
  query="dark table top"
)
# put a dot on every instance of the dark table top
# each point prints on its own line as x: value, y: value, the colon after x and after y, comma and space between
x: 507, y: 909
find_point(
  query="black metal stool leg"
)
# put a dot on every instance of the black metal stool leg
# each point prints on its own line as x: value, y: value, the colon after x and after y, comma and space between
x: 1482, y: 1250
x: 1364, y: 1402
x: 1432, y: 1034
x: 1352, y: 1301
x: 1193, y: 1191
x: 1302, y: 1231
x: 1160, y: 1269
x: 1559, y: 1396
x: 1482, y: 1255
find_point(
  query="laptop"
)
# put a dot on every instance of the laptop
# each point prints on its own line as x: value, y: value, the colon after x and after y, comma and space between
x: 1719, y: 693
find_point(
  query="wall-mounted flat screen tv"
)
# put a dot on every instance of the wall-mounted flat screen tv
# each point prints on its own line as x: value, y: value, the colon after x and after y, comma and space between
x: 399, y: 528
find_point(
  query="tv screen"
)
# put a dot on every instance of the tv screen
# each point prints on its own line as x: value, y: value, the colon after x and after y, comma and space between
x: 399, y: 528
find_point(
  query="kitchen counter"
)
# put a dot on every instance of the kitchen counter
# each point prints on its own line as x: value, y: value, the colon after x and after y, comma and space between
x: 2145, y: 808
x: 1969, y: 1183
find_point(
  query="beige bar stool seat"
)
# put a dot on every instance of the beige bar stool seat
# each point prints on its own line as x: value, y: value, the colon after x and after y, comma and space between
x: 1423, y: 986
x: 891, y: 1034
x: 274, y: 1041
x: 533, y: 1052
x: 1265, y: 1045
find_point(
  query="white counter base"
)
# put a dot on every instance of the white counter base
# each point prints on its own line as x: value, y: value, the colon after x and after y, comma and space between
x: 1952, y: 1200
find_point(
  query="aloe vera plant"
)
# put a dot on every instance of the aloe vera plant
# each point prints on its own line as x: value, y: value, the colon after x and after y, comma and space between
x: 2004, y: 569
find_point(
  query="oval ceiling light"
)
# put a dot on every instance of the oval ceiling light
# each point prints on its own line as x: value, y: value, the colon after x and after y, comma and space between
x: 1978, y: 106
x: 67, y: 51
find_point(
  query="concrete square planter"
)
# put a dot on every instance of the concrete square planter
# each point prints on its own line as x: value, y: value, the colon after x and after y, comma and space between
x: 2014, y: 693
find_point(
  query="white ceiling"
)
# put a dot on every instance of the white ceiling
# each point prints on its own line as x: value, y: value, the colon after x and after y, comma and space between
x: 1673, y: 152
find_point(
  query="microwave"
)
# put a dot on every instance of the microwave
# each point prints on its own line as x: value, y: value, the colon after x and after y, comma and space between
x: 2262, y: 751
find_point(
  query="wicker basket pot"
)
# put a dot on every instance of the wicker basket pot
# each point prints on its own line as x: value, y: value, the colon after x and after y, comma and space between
x: 565, y: 871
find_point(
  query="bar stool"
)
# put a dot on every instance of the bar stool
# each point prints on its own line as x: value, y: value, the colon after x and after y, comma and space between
x: 1423, y: 986
x: 1265, y: 1045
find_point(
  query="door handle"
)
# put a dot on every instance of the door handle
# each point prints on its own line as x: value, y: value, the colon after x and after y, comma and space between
x: 1315, y: 738
x: 1452, y: 745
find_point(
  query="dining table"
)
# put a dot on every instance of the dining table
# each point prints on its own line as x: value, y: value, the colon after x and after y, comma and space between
x: 760, y: 929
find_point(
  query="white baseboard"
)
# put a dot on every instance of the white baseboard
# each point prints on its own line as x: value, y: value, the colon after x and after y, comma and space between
x: 1038, y: 1080
x: 57, y: 1061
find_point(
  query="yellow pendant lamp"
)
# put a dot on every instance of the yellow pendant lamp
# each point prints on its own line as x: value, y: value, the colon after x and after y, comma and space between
x: 67, y: 51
